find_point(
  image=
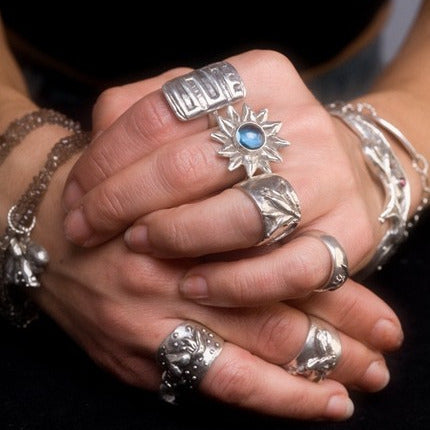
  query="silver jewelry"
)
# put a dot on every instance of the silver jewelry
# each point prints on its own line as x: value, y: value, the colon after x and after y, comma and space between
x: 204, y: 90
x: 419, y: 162
x: 320, y: 353
x: 185, y: 356
x: 249, y: 140
x: 339, y: 272
x: 21, y: 260
x: 277, y: 203
x: 384, y: 164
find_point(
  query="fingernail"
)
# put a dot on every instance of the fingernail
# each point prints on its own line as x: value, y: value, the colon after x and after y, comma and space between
x: 136, y: 238
x: 340, y: 407
x: 72, y: 195
x: 194, y: 287
x: 76, y: 227
x: 386, y: 334
x: 376, y: 376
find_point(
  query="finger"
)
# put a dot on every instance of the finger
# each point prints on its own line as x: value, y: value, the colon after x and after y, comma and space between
x: 242, y: 379
x: 277, y: 334
x: 151, y: 123
x: 227, y: 221
x: 378, y: 325
x: 112, y: 103
x: 293, y: 270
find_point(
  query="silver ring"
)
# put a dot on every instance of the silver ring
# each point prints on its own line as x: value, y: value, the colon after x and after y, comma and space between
x: 320, y: 353
x: 249, y: 139
x: 204, y: 90
x: 277, y: 203
x: 185, y: 356
x: 339, y: 271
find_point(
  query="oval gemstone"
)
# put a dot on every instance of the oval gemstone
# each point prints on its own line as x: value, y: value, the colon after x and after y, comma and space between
x: 250, y: 136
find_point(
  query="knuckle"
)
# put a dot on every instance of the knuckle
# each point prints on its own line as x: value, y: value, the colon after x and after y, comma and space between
x: 348, y: 312
x: 270, y: 61
x: 99, y: 161
x: 181, y: 169
x: 273, y: 336
x: 150, y: 119
x: 171, y: 236
x: 107, y: 100
x: 309, y: 270
x: 233, y: 382
x: 111, y: 318
x: 246, y: 227
x: 108, y: 209
x: 175, y: 72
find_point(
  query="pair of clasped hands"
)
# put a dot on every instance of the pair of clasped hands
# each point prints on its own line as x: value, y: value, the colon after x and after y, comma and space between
x: 163, y: 237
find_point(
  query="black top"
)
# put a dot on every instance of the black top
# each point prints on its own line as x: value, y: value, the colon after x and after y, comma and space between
x: 107, y: 45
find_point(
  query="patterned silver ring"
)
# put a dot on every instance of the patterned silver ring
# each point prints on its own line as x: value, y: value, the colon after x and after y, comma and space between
x: 204, y: 90
x: 339, y: 271
x: 320, y: 353
x: 185, y: 356
x: 277, y: 203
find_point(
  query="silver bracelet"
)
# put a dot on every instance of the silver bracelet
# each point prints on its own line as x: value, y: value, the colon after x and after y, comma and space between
x: 383, y: 163
x: 22, y: 261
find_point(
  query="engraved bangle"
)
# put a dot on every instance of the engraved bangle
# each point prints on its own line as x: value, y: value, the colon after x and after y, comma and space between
x: 383, y: 163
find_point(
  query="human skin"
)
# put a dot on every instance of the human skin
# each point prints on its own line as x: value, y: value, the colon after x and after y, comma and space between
x: 119, y: 305
x: 165, y: 179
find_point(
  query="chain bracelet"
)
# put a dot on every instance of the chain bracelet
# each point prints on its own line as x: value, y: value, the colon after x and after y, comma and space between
x: 19, y: 129
x: 22, y: 260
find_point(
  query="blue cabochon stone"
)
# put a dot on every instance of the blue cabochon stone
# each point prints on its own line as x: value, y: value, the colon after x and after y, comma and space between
x: 250, y: 136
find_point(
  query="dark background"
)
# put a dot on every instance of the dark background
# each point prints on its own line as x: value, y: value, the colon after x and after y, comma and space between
x: 47, y: 382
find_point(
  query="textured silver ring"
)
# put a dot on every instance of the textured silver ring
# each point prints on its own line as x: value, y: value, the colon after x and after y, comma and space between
x: 185, y: 356
x: 204, y: 90
x: 339, y: 271
x: 249, y: 139
x: 320, y: 353
x: 277, y: 203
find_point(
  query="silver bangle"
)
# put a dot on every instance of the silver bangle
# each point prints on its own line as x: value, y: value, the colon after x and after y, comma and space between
x: 384, y: 164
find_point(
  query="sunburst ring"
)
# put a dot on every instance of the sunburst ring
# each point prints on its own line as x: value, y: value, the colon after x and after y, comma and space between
x: 249, y: 140
x: 277, y: 203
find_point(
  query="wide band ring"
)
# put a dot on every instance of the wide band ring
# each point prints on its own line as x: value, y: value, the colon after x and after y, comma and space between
x: 277, y: 203
x: 204, y: 90
x: 339, y: 271
x: 320, y: 353
x: 185, y: 356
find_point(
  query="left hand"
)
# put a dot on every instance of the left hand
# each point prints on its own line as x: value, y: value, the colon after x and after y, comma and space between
x: 147, y: 168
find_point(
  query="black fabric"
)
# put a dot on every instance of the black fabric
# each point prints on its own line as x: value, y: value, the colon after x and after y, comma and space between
x: 48, y: 383
x: 124, y: 41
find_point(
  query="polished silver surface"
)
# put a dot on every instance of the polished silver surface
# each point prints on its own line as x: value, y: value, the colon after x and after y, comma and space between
x: 384, y: 164
x: 339, y: 272
x: 24, y: 260
x: 277, y: 203
x: 185, y: 356
x: 320, y: 353
x: 265, y: 133
x: 204, y: 90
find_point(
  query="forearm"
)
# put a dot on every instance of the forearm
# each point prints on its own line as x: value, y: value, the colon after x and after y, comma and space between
x: 402, y: 95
